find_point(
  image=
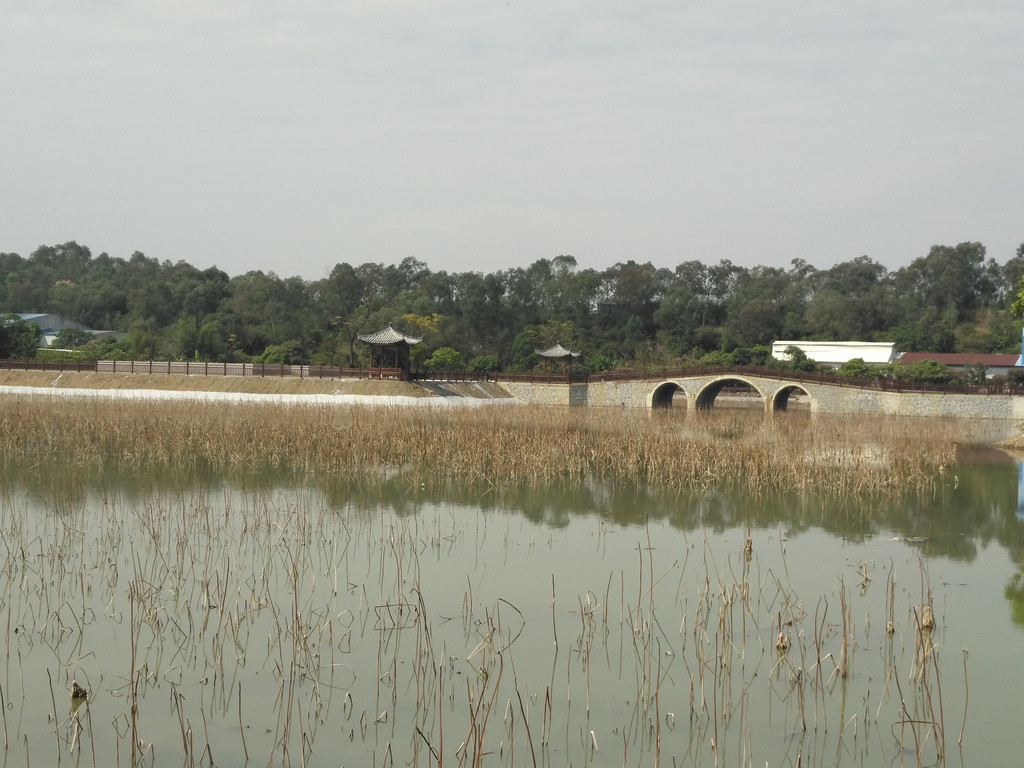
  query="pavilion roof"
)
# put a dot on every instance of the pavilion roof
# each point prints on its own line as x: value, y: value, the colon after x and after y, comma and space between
x: 389, y: 336
x: 556, y: 351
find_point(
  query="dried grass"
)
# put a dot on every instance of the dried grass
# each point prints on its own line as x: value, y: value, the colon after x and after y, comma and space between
x: 736, y: 449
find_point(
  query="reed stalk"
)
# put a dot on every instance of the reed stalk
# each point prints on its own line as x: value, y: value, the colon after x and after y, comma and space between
x: 833, y: 454
x: 209, y: 584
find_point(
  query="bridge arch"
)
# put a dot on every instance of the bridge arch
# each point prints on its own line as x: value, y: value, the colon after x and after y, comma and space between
x: 707, y: 394
x: 781, y: 399
x: 667, y: 394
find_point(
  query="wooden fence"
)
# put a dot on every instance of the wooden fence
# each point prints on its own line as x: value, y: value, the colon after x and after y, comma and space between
x: 201, y: 369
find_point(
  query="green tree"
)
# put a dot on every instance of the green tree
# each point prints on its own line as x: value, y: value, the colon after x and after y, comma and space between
x: 70, y: 338
x: 204, y: 296
x: 759, y: 355
x: 147, y: 341
x: 856, y: 368
x: 798, y: 359
x: 278, y: 354
x: 444, y: 359
x: 108, y: 348
x: 685, y: 310
x: 851, y: 301
x: 522, y: 356
x: 768, y: 304
x: 264, y: 310
x: 975, y: 373
x: 477, y: 323
x: 484, y: 364
x: 630, y: 295
x: 68, y: 261
x: 19, y: 339
x: 1017, y: 307
x: 927, y: 371
x: 1012, y: 272
x: 27, y: 286
x: 758, y: 321
x: 349, y: 297
x: 953, y: 281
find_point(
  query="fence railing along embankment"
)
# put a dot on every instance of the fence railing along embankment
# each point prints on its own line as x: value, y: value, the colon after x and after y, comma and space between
x: 173, y: 368
x: 263, y: 370
x: 258, y: 370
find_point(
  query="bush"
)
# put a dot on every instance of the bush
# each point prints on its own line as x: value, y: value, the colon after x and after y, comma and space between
x: 798, y: 359
x: 600, y: 362
x: 856, y: 368
x: 71, y: 338
x: 716, y: 358
x: 60, y: 355
x: 18, y: 338
x: 926, y: 371
x: 109, y: 349
x: 758, y: 355
x: 444, y: 359
x: 484, y: 363
x: 975, y: 373
x: 278, y: 354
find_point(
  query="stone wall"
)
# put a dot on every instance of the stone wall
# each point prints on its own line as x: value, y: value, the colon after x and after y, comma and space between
x: 540, y: 394
x: 827, y: 399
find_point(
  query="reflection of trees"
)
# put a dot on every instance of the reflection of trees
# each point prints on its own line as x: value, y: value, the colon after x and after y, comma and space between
x: 971, y: 507
x: 76, y: 482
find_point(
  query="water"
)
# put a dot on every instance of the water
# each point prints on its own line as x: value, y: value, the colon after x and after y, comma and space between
x: 339, y: 623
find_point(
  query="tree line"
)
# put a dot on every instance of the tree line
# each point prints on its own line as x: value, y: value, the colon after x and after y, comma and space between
x: 954, y: 298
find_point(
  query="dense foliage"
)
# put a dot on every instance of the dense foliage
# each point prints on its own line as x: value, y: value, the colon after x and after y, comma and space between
x: 951, y: 299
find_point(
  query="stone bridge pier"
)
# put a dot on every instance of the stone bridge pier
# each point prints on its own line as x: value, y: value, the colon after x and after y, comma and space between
x: 703, y: 392
x: 776, y: 394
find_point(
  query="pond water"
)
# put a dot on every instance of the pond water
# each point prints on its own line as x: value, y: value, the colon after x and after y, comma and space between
x: 224, y: 621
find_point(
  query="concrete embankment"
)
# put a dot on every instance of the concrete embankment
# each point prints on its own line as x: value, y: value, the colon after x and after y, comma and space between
x: 254, y: 389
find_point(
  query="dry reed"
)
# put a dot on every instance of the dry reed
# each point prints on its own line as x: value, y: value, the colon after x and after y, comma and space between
x: 697, y: 451
x: 267, y: 590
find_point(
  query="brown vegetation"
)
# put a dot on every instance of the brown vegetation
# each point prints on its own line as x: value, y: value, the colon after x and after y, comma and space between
x: 491, y: 444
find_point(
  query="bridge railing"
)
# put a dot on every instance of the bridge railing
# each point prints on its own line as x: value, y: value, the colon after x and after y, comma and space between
x: 528, y: 377
x: 818, y: 377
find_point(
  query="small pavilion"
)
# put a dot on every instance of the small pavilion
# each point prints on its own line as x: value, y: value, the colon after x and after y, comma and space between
x: 390, y: 346
x: 558, y: 352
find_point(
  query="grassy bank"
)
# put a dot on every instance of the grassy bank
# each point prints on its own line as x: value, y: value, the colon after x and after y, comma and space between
x: 496, y: 445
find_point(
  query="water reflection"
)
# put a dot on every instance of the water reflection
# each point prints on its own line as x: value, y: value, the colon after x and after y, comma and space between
x: 979, y: 502
x: 337, y: 586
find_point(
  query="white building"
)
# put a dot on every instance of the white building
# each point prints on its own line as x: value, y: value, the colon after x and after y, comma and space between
x: 835, y: 353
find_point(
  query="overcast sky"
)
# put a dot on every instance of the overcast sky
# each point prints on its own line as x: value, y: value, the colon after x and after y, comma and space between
x: 484, y: 134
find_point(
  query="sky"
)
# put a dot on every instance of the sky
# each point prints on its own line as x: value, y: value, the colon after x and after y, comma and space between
x: 481, y: 135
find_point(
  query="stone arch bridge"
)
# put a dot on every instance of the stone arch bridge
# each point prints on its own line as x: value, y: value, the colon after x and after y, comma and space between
x: 775, y: 393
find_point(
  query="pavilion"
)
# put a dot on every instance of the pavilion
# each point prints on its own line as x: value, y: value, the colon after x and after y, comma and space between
x: 398, y: 344
x: 558, y: 352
